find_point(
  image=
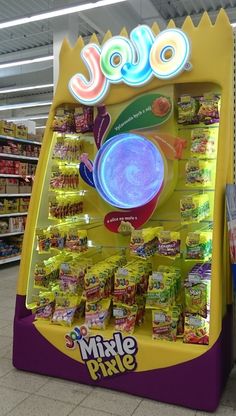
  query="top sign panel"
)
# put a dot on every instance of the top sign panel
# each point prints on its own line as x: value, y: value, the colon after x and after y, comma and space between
x: 132, y: 61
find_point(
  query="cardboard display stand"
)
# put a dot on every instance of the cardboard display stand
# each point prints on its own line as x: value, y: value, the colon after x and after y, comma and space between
x: 140, y: 108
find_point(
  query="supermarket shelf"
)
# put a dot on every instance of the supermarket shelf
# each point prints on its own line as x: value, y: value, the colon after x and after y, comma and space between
x: 13, y: 195
x: 9, y: 259
x: 18, y: 157
x: 15, y: 139
x: 11, y: 234
x: 9, y: 175
x: 13, y: 214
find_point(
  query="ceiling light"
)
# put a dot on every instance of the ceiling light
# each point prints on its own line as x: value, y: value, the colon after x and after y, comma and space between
x: 40, y: 127
x: 28, y: 118
x: 31, y: 87
x: 26, y: 61
x: 24, y: 105
x: 58, y: 12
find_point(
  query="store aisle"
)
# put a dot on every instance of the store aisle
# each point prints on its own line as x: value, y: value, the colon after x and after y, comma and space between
x: 24, y: 394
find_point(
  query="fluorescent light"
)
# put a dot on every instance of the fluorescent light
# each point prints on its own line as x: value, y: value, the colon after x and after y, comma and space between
x: 58, y: 12
x: 31, y: 87
x: 40, y: 127
x: 27, y: 61
x: 24, y: 105
x: 28, y: 118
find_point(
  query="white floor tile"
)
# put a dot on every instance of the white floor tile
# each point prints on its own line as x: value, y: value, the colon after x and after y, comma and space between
x: 9, y: 399
x: 38, y: 406
x: 65, y: 391
x: 84, y: 411
x: 221, y: 411
x: 113, y: 402
x: 151, y: 408
x: 23, y: 381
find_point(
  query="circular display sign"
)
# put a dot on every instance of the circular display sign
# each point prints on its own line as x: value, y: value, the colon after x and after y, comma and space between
x: 128, y: 171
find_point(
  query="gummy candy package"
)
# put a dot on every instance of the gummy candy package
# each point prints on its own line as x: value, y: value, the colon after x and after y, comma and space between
x: 199, y: 245
x: 196, y: 330
x: 64, y: 120
x: 66, y: 306
x: 125, y: 317
x: 97, y: 314
x: 196, y: 298
x: 209, y: 110
x: 160, y: 290
x: 194, y: 208
x: 204, y: 143
x: 45, y: 304
x: 187, y: 110
x: 164, y: 323
x: 168, y: 243
x: 198, y: 173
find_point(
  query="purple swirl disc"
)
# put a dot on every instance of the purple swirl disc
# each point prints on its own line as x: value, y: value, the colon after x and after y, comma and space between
x: 128, y: 171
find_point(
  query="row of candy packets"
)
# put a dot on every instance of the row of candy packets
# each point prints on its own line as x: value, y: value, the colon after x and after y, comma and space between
x: 194, y: 110
x: 168, y: 243
x: 66, y: 304
x: 72, y: 274
x: 68, y: 149
x: 165, y: 323
x: 143, y: 242
x: 47, y: 272
x: 61, y: 237
x: 97, y: 315
x: 65, y: 178
x: 62, y: 206
x: 198, y: 173
x: 194, y: 208
x: 163, y: 288
x: 199, y: 245
x: 204, y: 143
x: 197, y: 288
x: 70, y: 120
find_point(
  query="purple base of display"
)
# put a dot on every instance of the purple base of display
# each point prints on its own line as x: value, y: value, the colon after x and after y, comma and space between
x: 196, y: 384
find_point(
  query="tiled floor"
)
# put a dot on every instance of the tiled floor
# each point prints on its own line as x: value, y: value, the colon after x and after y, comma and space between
x: 23, y: 394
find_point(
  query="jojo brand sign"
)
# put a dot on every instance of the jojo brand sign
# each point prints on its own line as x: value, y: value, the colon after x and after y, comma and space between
x: 133, y: 61
x: 104, y: 358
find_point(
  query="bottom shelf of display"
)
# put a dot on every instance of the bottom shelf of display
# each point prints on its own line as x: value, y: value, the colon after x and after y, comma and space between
x: 9, y: 259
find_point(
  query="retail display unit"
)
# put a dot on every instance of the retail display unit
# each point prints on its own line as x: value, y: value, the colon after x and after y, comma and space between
x: 126, y: 218
x: 18, y: 161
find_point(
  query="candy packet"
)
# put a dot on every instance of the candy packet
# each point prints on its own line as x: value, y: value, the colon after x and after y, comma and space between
x: 194, y: 208
x: 196, y: 296
x: 187, y: 110
x: 97, y: 314
x: 198, y: 173
x: 43, y: 240
x: 164, y: 323
x: 168, y: 243
x: 209, y: 110
x: 196, y: 330
x: 125, y: 317
x: 66, y: 306
x: 204, y: 143
x: 160, y: 290
x: 199, y: 245
x: 45, y: 304
x: 64, y: 120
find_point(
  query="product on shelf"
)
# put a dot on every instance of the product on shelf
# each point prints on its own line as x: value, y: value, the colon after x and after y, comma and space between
x: 14, y: 167
x: 204, y: 143
x: 187, y: 110
x: 83, y: 117
x: 196, y: 330
x: 65, y: 307
x: 64, y: 120
x: 209, y: 110
x: 165, y: 323
x: 197, y: 290
x: 10, y: 248
x: 195, y: 110
x: 61, y: 237
x: 63, y: 206
x: 23, y: 204
x: 144, y: 242
x: 68, y: 148
x: 45, y: 305
x: 163, y: 287
x: 97, y: 314
x: 199, y: 245
x: 7, y: 128
x: 198, y: 173
x: 168, y: 243
x: 125, y: 317
x: 20, y: 149
x: 65, y: 178
x: 194, y: 208
x: 4, y: 226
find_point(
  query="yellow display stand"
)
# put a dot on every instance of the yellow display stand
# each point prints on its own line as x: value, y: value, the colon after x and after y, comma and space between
x: 175, y: 372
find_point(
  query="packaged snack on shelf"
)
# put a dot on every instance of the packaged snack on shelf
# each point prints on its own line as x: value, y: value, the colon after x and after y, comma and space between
x: 196, y: 298
x: 168, y: 243
x: 199, y: 245
x: 144, y: 242
x: 196, y: 330
x: 43, y: 240
x: 92, y: 286
x: 7, y: 128
x: 12, y: 205
x: 66, y: 306
x: 163, y: 287
x: 16, y: 224
x: 46, y: 272
x: 65, y: 178
x: 23, y: 204
x: 10, y: 249
x: 204, y: 143
x: 125, y: 286
x: 198, y: 173
x: 64, y: 120
x: 187, y: 110
x: 68, y: 148
x: 21, y: 131
x: 12, y: 186
x: 194, y: 208
x: 2, y: 185
x: 4, y: 226
x: 76, y: 240
x: 45, y: 305
x: 83, y: 119
x: 209, y: 110
x: 164, y: 323
x: 125, y: 317
x: 97, y: 314
x: 140, y: 301
x: 62, y: 206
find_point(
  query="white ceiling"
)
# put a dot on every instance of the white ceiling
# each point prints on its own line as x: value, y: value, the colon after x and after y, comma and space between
x: 36, y: 39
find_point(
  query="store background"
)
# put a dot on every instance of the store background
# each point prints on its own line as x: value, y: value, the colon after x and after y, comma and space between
x: 20, y: 393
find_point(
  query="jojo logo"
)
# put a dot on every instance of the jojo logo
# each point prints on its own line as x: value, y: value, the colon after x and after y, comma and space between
x: 133, y: 61
x: 104, y: 358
